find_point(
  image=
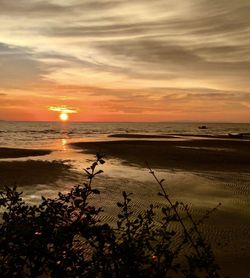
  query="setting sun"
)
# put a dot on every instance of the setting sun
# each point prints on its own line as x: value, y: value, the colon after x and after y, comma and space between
x: 64, y: 116
x: 63, y: 111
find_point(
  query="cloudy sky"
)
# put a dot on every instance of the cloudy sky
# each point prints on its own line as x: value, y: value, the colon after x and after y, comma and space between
x: 123, y: 60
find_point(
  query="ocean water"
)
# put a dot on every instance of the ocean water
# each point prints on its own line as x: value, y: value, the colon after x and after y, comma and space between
x: 48, y: 134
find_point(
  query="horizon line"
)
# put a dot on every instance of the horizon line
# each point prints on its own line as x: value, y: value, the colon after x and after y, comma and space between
x: 198, y: 122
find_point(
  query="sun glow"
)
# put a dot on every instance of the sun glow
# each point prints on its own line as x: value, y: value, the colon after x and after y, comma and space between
x: 63, y: 111
x: 63, y: 116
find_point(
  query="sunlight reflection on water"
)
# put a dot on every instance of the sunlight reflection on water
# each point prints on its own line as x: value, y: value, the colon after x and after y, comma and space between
x: 64, y: 144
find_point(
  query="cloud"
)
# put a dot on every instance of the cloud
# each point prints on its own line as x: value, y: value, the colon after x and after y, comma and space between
x: 155, y: 59
x: 32, y: 8
x: 168, y: 100
x: 51, y: 8
x: 144, y: 39
x: 19, y: 67
x: 124, y: 56
x: 64, y: 109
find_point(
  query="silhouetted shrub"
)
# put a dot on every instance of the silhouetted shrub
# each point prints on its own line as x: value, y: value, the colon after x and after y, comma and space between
x: 62, y: 237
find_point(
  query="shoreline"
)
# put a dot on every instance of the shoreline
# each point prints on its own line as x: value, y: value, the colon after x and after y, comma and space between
x: 230, y: 136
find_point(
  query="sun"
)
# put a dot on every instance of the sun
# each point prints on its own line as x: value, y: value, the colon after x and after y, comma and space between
x: 64, y: 117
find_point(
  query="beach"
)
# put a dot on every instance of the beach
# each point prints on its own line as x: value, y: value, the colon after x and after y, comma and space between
x: 200, y: 172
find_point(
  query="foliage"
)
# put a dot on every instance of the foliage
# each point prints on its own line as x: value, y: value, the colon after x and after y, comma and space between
x: 62, y: 237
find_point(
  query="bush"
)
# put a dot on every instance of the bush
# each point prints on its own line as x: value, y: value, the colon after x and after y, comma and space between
x: 63, y: 237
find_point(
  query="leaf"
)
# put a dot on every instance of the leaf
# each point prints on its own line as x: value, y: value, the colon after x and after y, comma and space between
x: 120, y: 205
x: 99, y: 172
x: 102, y: 161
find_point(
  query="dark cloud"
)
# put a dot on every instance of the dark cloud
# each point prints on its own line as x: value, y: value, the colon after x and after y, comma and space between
x: 150, y: 51
x: 206, y: 18
x: 41, y: 8
x: 23, y: 7
x: 67, y: 60
x: 153, y: 59
x: 19, y: 67
x: 95, y: 31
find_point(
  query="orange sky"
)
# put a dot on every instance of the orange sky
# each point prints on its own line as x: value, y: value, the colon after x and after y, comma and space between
x: 125, y: 60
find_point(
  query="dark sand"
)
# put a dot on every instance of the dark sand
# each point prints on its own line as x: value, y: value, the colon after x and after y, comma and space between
x: 15, y: 153
x: 194, y: 155
x: 31, y: 172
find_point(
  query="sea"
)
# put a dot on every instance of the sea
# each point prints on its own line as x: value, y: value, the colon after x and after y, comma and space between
x: 56, y: 134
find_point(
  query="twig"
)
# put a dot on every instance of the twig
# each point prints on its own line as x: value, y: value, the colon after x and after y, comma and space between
x: 174, y: 208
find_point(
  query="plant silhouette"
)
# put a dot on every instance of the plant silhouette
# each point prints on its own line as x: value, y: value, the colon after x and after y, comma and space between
x: 62, y: 237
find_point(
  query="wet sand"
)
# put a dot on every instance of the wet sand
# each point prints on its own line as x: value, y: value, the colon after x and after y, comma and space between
x: 16, y: 153
x: 29, y: 172
x: 192, y: 155
x: 213, y: 171
x: 32, y: 172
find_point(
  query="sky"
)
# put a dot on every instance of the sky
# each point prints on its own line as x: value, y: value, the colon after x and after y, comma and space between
x: 123, y: 60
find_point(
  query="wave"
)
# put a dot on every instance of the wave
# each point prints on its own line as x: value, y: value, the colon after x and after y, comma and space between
x: 23, y: 132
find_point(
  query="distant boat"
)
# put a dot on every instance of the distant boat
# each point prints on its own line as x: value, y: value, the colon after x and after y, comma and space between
x: 235, y: 135
x: 202, y: 127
